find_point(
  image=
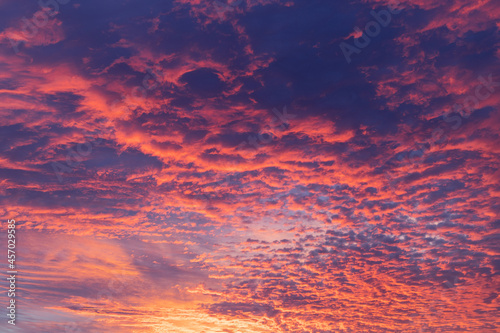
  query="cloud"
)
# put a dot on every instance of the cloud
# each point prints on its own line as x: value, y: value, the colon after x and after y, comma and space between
x: 178, y: 210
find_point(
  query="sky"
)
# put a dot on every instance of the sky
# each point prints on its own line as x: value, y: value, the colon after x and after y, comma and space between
x: 199, y: 166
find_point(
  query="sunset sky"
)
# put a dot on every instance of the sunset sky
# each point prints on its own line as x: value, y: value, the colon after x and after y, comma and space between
x: 243, y: 166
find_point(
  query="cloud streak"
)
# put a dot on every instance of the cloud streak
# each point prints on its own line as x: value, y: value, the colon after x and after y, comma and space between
x: 243, y: 177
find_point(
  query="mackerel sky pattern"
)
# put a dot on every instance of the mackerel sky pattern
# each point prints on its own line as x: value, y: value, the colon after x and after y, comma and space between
x: 251, y: 166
